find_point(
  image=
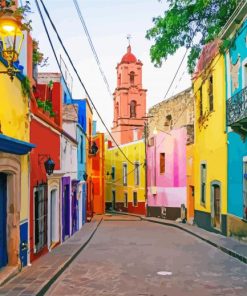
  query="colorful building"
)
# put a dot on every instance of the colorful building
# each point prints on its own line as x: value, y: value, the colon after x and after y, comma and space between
x: 210, y: 148
x: 125, y: 181
x: 190, y: 184
x: 236, y: 94
x: 129, y: 100
x: 45, y: 191
x: 170, y: 130
x: 98, y: 174
x: 14, y: 164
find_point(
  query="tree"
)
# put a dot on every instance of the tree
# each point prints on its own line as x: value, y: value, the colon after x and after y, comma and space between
x: 190, y: 24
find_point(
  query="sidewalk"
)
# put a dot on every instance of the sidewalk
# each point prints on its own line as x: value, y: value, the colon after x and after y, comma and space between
x: 44, y: 271
x: 227, y: 245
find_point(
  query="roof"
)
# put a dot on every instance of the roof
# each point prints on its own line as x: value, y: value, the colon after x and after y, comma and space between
x: 129, y: 57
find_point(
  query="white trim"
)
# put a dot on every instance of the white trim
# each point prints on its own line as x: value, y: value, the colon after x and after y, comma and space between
x: 244, y: 73
x: 228, y: 75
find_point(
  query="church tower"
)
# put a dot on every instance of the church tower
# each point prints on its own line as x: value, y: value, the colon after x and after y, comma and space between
x: 129, y: 100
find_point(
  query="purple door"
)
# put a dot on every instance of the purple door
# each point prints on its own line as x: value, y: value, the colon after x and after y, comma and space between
x: 65, y: 207
x: 75, y: 207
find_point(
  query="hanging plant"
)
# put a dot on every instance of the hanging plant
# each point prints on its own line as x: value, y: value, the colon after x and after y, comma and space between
x: 26, y: 87
x: 20, y: 13
x: 38, y: 56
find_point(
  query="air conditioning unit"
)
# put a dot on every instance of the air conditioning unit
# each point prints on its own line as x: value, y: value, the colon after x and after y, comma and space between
x: 153, y: 190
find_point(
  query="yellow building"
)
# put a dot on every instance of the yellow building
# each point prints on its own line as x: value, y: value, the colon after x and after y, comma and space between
x: 14, y: 170
x: 125, y: 181
x: 210, y: 150
x: 190, y: 184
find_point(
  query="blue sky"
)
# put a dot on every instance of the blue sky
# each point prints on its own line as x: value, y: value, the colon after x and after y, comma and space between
x: 109, y: 22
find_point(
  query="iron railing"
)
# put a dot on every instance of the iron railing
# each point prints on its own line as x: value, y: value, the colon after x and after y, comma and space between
x: 237, y: 107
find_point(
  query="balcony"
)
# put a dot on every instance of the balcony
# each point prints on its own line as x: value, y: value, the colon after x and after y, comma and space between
x: 237, y: 110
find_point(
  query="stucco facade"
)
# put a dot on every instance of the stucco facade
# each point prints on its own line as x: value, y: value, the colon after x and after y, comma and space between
x: 210, y: 149
x: 125, y: 182
x: 236, y: 98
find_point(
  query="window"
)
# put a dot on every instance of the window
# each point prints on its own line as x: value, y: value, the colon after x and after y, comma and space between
x: 113, y: 170
x: 132, y: 109
x: 211, y: 93
x: 81, y: 150
x: 203, y: 183
x: 125, y: 174
x: 135, y: 200
x: 40, y: 217
x: 137, y: 173
x: 132, y: 77
x: 245, y: 189
x: 125, y: 199
x: 162, y: 163
x: 151, y: 142
x: 200, y: 102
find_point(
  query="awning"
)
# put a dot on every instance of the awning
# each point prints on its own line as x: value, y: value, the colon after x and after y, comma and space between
x: 14, y: 146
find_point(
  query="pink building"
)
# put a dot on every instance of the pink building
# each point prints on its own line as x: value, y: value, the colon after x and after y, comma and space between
x: 166, y: 173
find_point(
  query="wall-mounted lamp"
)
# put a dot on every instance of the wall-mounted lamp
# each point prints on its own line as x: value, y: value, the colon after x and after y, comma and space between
x: 85, y: 175
x: 11, y: 38
x: 93, y: 149
x: 49, y: 163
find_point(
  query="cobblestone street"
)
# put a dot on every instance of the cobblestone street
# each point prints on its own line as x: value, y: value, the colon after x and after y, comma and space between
x: 125, y: 257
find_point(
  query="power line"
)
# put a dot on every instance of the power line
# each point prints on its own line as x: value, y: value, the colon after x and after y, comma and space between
x: 75, y: 70
x: 176, y: 73
x: 92, y: 47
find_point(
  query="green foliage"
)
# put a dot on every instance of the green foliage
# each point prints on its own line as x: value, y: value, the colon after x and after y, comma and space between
x: 46, y: 106
x: 38, y: 56
x: 190, y: 24
x: 26, y: 87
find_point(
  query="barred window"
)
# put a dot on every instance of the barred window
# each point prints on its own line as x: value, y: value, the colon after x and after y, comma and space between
x: 40, y: 217
x: 211, y: 94
x: 135, y: 200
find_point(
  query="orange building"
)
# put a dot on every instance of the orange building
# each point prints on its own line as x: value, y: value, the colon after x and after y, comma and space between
x: 98, y: 178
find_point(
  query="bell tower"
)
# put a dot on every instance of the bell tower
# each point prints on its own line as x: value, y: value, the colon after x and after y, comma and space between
x: 129, y: 100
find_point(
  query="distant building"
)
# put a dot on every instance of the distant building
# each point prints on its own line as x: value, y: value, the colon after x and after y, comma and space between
x: 170, y: 131
x: 125, y: 176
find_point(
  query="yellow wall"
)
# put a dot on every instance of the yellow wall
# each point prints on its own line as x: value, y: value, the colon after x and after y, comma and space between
x: 113, y: 157
x: 210, y: 138
x: 14, y: 120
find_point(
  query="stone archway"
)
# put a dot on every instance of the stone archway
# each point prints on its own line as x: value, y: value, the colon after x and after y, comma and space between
x: 10, y: 165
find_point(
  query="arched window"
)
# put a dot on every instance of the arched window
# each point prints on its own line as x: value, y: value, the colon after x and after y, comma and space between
x: 119, y: 79
x: 132, y: 77
x: 132, y: 109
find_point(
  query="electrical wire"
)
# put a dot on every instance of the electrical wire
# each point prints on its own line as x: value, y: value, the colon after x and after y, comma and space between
x: 176, y: 73
x: 75, y: 70
x: 92, y: 46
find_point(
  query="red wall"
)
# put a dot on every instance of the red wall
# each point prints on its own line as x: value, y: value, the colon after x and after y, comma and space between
x: 47, y: 142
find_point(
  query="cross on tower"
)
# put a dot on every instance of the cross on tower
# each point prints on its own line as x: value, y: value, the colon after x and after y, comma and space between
x: 129, y: 37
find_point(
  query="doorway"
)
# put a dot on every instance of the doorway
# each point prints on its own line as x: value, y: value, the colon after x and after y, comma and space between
x: 53, y: 218
x: 66, y: 212
x: 3, y: 220
x: 215, y: 201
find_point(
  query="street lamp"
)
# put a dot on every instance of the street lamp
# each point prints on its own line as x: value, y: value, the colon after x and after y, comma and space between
x: 49, y: 166
x: 11, y: 38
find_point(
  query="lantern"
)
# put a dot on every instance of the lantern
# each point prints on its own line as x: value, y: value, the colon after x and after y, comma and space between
x: 11, y: 38
x: 49, y: 166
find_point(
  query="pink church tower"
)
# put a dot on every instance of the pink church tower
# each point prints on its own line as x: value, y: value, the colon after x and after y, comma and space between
x: 129, y: 100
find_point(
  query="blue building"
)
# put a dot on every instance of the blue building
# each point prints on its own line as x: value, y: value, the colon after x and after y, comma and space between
x: 235, y: 32
x: 81, y: 152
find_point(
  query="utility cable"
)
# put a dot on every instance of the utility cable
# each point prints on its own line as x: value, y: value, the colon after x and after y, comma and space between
x: 92, y: 46
x: 75, y: 70
x: 176, y: 73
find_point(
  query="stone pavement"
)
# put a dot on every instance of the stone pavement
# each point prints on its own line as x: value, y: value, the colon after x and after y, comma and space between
x: 32, y: 280
x: 228, y: 245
